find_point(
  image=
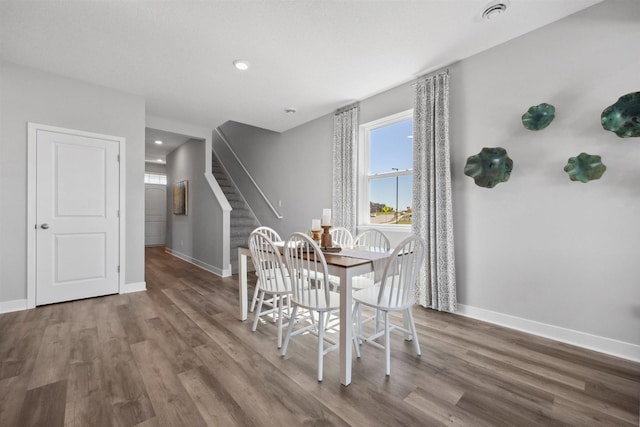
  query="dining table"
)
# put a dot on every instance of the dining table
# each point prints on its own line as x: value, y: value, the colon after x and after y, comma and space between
x: 349, y: 262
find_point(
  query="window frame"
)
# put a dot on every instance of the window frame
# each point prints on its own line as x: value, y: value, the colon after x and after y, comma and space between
x: 151, y: 175
x: 363, y: 208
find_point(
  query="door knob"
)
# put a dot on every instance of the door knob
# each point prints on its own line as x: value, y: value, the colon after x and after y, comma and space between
x: 44, y: 226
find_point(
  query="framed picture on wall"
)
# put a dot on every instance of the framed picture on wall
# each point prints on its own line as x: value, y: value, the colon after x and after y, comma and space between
x: 180, y: 197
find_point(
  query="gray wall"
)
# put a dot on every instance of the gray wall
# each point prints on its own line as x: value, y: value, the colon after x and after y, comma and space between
x: 155, y: 168
x: 539, y: 247
x: 194, y: 235
x: 27, y: 95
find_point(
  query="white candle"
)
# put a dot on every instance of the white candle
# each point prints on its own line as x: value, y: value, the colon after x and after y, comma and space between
x: 326, y: 216
x: 315, y: 224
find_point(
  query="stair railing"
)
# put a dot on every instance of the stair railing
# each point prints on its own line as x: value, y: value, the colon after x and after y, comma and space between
x: 266, y: 199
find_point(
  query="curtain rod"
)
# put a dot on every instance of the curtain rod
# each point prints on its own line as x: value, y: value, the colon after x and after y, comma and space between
x: 431, y: 74
x: 415, y: 82
x: 348, y: 107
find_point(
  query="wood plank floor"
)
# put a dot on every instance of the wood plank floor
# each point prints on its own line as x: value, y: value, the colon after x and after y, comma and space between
x: 177, y: 355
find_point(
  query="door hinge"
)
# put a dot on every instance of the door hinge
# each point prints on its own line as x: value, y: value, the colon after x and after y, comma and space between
x: 118, y: 269
x: 118, y: 157
x: 118, y: 213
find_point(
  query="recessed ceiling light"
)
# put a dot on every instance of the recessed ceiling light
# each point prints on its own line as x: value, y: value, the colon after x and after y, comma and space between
x: 157, y: 141
x: 495, y: 9
x: 241, y: 64
x: 290, y: 110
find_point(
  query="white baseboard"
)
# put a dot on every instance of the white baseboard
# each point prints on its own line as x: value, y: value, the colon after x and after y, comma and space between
x: 203, y: 265
x: 133, y: 287
x: 13, y: 305
x: 616, y: 348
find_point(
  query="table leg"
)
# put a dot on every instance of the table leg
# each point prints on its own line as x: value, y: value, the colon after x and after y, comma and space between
x: 346, y: 322
x: 242, y: 278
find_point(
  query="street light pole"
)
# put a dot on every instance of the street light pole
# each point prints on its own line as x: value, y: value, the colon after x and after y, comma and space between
x: 395, y: 169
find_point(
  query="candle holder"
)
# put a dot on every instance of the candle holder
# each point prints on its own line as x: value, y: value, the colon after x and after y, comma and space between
x: 326, y: 237
x: 315, y: 236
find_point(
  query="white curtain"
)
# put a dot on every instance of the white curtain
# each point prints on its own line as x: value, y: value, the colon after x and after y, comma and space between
x: 432, y: 215
x: 345, y: 144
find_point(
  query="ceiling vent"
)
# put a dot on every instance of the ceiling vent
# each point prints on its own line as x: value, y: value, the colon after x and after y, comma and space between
x: 495, y: 9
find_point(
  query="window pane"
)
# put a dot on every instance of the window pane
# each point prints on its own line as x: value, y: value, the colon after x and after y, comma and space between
x: 391, y: 147
x: 151, y: 178
x: 382, y: 194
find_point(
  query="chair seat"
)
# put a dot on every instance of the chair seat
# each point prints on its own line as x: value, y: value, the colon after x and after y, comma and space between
x: 311, y: 301
x: 369, y: 296
x: 279, y: 288
x: 357, y: 283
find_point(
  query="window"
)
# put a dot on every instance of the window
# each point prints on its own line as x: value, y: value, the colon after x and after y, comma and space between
x: 385, y: 169
x: 152, y: 178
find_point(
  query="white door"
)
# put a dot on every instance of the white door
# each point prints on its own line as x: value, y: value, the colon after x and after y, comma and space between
x: 77, y: 216
x: 155, y: 214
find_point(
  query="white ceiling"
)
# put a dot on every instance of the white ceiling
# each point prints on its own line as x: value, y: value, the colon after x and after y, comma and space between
x: 170, y: 141
x: 312, y: 55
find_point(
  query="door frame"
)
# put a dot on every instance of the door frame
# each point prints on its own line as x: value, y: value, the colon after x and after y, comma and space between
x: 32, y: 135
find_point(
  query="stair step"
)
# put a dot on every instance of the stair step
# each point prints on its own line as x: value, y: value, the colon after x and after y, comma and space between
x: 236, y: 204
x: 247, y: 223
x: 241, y: 213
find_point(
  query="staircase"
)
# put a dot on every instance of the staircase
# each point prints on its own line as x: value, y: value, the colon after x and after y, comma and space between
x: 243, y: 221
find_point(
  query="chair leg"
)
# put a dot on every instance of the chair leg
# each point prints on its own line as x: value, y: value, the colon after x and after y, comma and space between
x: 257, y: 315
x: 387, y: 343
x: 412, y: 325
x: 320, y: 344
x: 354, y: 336
x: 255, y: 298
x: 289, y: 330
x: 275, y: 304
x: 357, y: 317
x: 280, y: 324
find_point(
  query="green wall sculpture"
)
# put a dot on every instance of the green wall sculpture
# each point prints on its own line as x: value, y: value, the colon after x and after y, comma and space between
x: 623, y: 117
x: 585, y: 167
x: 539, y: 116
x: 489, y: 167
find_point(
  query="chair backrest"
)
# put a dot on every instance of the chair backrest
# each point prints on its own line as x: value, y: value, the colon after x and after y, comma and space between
x: 309, y: 273
x: 270, y: 232
x: 270, y: 267
x: 374, y: 239
x: 341, y: 236
x: 400, y: 274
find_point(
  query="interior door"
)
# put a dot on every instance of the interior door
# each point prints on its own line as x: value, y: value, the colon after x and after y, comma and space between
x: 77, y: 214
x: 155, y: 214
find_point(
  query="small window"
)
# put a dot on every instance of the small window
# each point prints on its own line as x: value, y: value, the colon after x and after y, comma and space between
x: 152, y: 178
x: 386, y: 171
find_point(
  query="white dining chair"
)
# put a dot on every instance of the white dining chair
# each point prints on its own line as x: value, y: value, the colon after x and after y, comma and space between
x: 310, y: 291
x: 374, y: 239
x: 275, y: 237
x: 341, y: 236
x: 394, y: 293
x: 273, y: 279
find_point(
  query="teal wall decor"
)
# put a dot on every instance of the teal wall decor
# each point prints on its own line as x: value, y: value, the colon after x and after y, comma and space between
x: 585, y: 167
x: 489, y: 167
x: 623, y: 117
x: 539, y: 116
